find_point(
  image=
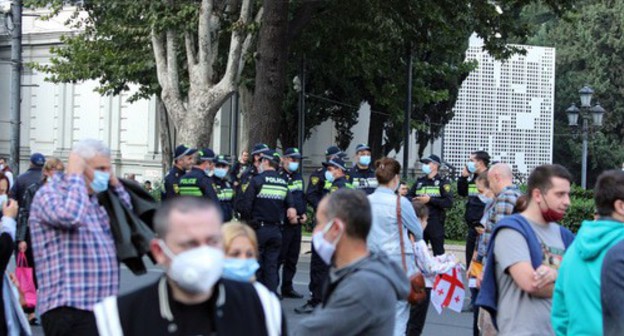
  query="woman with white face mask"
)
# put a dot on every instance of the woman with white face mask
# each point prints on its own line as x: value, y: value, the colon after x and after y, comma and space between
x: 385, y: 235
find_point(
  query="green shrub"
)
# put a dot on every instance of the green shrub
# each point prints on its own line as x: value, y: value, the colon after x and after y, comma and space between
x: 580, y: 209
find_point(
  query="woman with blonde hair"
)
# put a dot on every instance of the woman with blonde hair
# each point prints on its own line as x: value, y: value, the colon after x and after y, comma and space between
x: 241, y: 252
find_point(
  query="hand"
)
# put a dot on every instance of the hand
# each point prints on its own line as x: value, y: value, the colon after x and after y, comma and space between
x: 22, y: 246
x: 76, y: 164
x: 480, y: 230
x: 10, y: 208
x: 291, y: 214
x: 422, y: 199
x: 465, y: 172
x: 544, y: 276
x: 13, y: 279
x: 303, y: 219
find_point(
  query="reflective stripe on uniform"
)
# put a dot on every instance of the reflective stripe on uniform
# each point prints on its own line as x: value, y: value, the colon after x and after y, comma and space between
x: 273, y: 192
x: 295, y: 186
x: 432, y: 191
x: 190, y: 191
x: 472, y: 190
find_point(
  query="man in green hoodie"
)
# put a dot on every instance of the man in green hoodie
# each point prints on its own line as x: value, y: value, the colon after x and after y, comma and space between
x: 576, y: 301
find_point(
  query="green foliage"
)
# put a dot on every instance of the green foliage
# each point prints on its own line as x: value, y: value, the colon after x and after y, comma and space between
x: 580, y: 209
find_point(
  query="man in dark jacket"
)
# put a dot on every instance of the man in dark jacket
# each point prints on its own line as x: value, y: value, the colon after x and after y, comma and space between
x: 291, y: 233
x: 362, y: 174
x: 363, y: 288
x: 182, y: 162
x: 198, y: 181
x: 30, y: 177
x: 191, y: 299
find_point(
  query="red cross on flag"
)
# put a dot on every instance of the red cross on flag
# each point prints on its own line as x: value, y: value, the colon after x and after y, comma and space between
x: 448, y: 290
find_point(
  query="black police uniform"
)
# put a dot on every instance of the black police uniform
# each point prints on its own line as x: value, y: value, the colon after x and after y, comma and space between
x: 439, y: 190
x: 263, y: 206
x: 172, y: 180
x: 225, y: 194
x: 237, y: 171
x: 318, y: 187
x: 363, y: 179
x: 466, y: 187
x: 291, y: 233
x: 197, y: 183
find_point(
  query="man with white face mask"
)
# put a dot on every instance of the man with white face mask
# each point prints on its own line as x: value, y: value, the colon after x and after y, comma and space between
x: 363, y: 286
x: 72, y: 241
x: 362, y: 174
x: 191, y: 298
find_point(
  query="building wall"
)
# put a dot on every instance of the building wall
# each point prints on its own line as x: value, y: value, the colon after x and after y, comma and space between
x: 505, y: 108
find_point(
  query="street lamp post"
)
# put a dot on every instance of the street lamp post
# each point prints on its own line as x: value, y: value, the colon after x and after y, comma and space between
x: 586, y: 113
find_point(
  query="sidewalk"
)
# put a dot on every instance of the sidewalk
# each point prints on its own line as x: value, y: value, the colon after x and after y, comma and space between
x: 458, y: 250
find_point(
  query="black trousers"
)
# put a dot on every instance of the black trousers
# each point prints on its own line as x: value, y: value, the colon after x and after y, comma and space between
x: 471, y: 243
x: 437, y: 243
x: 269, y: 248
x: 291, y: 247
x: 418, y: 315
x: 319, y: 271
x: 67, y: 321
x: 475, y: 312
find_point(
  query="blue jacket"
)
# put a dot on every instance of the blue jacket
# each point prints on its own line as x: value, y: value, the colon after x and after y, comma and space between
x: 488, y: 295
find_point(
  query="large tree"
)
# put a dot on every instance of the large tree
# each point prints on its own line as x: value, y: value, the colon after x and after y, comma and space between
x: 167, y: 47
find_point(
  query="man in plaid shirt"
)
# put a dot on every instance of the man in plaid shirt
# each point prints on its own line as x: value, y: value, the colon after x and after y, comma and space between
x: 72, y: 241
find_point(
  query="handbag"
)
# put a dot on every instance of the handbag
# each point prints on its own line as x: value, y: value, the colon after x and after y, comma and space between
x: 24, y: 275
x: 417, y: 281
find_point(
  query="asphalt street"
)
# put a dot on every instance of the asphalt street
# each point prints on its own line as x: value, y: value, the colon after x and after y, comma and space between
x: 448, y: 323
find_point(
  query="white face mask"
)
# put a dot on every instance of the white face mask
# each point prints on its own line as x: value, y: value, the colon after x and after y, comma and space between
x: 323, y: 248
x: 195, y: 271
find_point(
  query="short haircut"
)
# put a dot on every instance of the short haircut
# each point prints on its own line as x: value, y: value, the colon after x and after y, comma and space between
x: 421, y: 209
x: 609, y: 188
x: 89, y: 148
x: 232, y: 230
x: 482, y: 156
x: 353, y: 208
x: 482, y: 178
x: 541, y: 177
x: 386, y: 169
x: 181, y: 204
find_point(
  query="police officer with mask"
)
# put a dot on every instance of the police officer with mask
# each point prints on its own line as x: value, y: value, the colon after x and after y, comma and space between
x: 182, y: 162
x: 362, y: 175
x: 435, y: 192
x: 263, y: 205
x: 318, y: 186
x: 198, y: 182
x: 224, y: 189
x: 336, y: 173
x: 253, y: 169
x: 291, y: 242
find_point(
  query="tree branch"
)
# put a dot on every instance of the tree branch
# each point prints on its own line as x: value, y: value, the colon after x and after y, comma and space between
x: 191, y: 57
x: 172, y: 60
x: 249, y: 40
x: 205, y: 39
x: 161, y: 58
x: 236, y: 46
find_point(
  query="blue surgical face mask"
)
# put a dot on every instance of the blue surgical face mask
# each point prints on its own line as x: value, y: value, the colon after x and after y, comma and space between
x: 293, y: 166
x: 328, y: 176
x: 471, y: 166
x: 484, y: 199
x: 365, y: 160
x: 426, y: 169
x: 240, y: 269
x: 100, y: 181
x: 220, y: 172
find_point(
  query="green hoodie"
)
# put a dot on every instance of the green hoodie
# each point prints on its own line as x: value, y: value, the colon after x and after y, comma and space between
x: 576, y: 308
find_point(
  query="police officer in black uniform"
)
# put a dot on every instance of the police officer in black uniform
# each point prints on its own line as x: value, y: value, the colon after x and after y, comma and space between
x: 267, y: 205
x: 466, y: 187
x: 250, y: 172
x: 435, y: 192
x: 336, y: 173
x: 224, y: 189
x: 362, y: 175
x: 197, y: 182
x: 182, y: 162
x: 318, y: 187
x: 291, y: 233
x: 239, y: 167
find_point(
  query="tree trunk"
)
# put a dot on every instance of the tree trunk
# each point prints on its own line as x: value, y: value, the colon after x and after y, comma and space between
x: 165, y: 131
x: 375, y: 131
x: 270, y: 74
x: 245, y: 104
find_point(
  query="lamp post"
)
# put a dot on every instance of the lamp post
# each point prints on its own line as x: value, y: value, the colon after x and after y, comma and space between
x: 586, y: 113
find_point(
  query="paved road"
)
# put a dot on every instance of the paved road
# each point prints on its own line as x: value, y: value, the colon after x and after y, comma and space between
x: 448, y: 323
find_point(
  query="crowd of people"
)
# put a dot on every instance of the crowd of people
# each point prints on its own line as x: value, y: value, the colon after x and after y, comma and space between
x: 223, y: 232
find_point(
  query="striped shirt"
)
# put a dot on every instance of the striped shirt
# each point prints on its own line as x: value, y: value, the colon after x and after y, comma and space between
x: 72, y: 245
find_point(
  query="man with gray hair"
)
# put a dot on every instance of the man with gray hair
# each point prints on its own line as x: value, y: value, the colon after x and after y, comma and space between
x: 72, y: 241
x: 363, y: 286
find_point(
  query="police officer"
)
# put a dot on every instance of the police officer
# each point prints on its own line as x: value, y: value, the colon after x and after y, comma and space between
x: 197, y: 182
x: 252, y: 170
x: 435, y: 192
x: 182, y: 162
x: 291, y: 233
x: 223, y: 187
x: 336, y: 173
x: 239, y: 167
x: 318, y: 187
x: 362, y: 175
x: 466, y: 187
x: 263, y: 205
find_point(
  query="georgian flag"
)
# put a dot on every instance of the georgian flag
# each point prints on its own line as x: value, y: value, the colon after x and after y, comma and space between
x: 448, y: 290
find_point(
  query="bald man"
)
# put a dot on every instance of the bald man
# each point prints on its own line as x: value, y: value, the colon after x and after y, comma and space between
x: 500, y: 179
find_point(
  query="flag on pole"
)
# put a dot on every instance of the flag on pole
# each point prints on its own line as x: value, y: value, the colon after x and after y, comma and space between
x: 448, y: 290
